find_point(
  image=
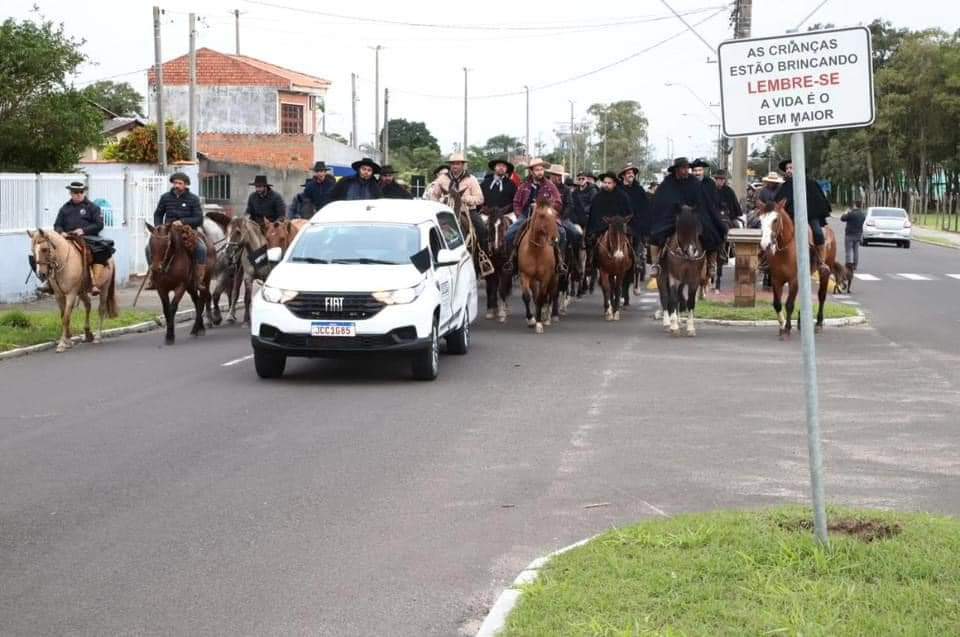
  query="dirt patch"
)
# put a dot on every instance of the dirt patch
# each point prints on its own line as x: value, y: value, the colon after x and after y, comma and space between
x: 864, y: 530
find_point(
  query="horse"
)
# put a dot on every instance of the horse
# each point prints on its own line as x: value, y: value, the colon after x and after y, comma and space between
x: 680, y: 275
x: 280, y: 234
x: 538, y: 265
x: 215, y: 225
x: 172, y: 270
x: 62, y: 262
x: 245, y: 237
x: 615, y: 259
x: 571, y: 281
x: 499, y: 282
x: 778, y: 244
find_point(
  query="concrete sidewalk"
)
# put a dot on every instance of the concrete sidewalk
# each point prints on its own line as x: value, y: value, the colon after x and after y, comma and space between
x: 940, y: 237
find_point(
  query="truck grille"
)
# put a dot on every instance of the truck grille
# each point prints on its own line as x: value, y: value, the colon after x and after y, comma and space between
x: 334, y: 306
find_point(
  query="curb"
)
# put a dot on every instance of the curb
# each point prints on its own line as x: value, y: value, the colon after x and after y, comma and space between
x: 859, y: 319
x: 146, y: 326
x: 933, y: 242
x: 496, y: 619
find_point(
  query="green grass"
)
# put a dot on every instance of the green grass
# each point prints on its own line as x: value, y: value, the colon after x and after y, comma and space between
x: 19, y: 329
x: 937, y: 241
x: 931, y: 222
x: 750, y: 573
x: 763, y: 311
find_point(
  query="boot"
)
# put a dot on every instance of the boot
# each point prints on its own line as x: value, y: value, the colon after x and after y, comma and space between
x: 94, y: 290
x: 654, y: 261
x: 199, y: 273
x: 821, y: 254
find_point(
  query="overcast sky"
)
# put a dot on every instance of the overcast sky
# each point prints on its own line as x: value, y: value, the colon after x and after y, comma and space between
x: 506, y: 47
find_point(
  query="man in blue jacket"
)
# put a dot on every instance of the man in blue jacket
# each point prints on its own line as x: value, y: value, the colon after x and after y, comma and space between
x: 179, y: 206
x: 319, y: 188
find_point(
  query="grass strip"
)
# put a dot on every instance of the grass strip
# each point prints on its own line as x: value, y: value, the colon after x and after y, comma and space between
x: 20, y: 329
x: 708, y: 309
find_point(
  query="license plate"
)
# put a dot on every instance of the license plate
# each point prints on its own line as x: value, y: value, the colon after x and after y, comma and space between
x: 333, y: 328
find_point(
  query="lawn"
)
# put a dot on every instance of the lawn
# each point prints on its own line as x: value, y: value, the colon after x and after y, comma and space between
x: 19, y: 329
x: 753, y: 573
x: 763, y: 311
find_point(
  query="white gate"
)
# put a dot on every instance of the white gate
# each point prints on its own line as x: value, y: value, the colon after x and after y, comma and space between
x: 52, y: 192
x: 146, y: 193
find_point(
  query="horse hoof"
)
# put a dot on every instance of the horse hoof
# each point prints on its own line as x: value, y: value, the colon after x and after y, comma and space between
x: 96, y: 340
x: 88, y: 337
x: 168, y: 341
x: 817, y: 329
x: 61, y: 348
x: 548, y: 322
x: 217, y: 322
x: 490, y: 315
x: 691, y: 332
x: 531, y: 323
x: 674, y: 332
x: 539, y: 328
x: 616, y: 316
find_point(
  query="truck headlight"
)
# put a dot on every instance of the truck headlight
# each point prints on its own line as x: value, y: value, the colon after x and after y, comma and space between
x: 400, y: 297
x: 277, y: 295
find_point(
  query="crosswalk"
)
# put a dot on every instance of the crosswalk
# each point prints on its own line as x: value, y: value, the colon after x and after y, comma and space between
x: 904, y: 276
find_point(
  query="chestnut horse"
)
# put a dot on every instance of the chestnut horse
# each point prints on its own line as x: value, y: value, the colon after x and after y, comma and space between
x: 778, y: 243
x: 683, y: 261
x: 615, y: 260
x: 538, y: 265
x: 499, y: 282
x: 172, y: 271
x: 60, y: 260
x: 280, y: 234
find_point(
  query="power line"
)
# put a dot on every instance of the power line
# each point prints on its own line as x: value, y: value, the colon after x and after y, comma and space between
x: 687, y: 24
x: 809, y: 15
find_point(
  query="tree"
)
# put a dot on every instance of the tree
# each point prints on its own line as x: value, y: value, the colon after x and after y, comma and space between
x: 505, y: 146
x: 624, y: 128
x: 410, y: 135
x: 140, y: 146
x: 44, y: 126
x: 415, y: 161
x: 119, y: 98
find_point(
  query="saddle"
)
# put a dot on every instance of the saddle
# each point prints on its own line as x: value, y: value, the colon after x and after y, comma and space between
x: 86, y: 256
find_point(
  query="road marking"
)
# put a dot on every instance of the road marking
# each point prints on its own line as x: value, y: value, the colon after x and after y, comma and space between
x: 954, y: 276
x: 237, y: 360
x: 866, y: 277
x: 914, y: 277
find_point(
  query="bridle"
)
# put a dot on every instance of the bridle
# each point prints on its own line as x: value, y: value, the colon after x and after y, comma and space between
x: 167, y: 258
x: 619, y: 236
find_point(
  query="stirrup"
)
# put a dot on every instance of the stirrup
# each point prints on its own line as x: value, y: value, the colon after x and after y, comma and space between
x: 486, y: 266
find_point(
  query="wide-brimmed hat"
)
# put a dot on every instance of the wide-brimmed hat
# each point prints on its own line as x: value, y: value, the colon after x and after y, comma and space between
x: 492, y: 164
x: 260, y: 180
x: 556, y: 169
x: 366, y: 161
x: 609, y: 174
x: 720, y: 173
x: 700, y: 162
x: 679, y: 162
x: 317, y: 167
x: 537, y: 161
x: 783, y: 164
x: 628, y: 167
x: 76, y: 186
x: 181, y: 177
x: 387, y: 169
x: 773, y: 178
x: 457, y: 157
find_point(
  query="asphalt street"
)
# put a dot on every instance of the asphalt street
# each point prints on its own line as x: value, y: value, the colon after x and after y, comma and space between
x: 167, y: 490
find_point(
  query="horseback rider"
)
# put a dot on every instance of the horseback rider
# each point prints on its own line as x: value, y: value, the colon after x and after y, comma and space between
x: 318, y: 189
x: 818, y: 207
x: 610, y: 202
x: 180, y: 207
x: 729, y: 204
x: 301, y: 207
x: 389, y: 186
x: 573, y: 232
x: 458, y: 180
x: 264, y: 203
x: 497, y: 187
x: 362, y: 185
x: 639, y: 205
x: 680, y: 188
x: 768, y: 194
x: 81, y: 217
x: 535, y: 188
x: 583, y: 199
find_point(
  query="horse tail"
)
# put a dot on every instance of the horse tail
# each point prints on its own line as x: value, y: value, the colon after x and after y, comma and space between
x: 111, y: 300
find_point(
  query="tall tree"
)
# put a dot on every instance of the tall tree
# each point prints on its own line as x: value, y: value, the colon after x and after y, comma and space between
x: 44, y: 126
x: 410, y: 135
x: 623, y: 126
x: 119, y: 98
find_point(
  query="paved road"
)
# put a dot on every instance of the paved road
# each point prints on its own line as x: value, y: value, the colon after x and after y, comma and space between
x: 152, y: 490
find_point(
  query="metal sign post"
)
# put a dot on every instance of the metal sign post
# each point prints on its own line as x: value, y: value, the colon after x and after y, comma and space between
x: 819, y: 80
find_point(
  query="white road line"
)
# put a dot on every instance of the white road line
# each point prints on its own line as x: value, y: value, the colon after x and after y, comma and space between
x: 954, y: 276
x: 914, y: 277
x: 237, y: 360
x: 861, y: 276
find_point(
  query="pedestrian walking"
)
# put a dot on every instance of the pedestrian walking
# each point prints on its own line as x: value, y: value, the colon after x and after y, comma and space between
x: 852, y: 236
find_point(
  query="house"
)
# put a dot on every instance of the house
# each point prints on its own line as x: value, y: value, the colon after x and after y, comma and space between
x: 114, y: 129
x: 254, y: 117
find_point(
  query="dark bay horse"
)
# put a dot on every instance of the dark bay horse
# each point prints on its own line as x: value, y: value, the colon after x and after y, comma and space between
x: 778, y: 243
x: 538, y: 265
x: 615, y: 260
x: 172, y: 271
x: 682, y: 267
x: 499, y: 282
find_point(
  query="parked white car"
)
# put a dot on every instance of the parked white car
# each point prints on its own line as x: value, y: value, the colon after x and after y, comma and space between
x: 379, y: 276
x: 887, y: 225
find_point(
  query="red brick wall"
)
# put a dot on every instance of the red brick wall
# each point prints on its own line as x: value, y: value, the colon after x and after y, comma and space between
x: 276, y: 151
x: 215, y: 68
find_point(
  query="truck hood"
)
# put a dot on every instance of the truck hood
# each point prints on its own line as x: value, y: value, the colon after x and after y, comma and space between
x: 309, y: 277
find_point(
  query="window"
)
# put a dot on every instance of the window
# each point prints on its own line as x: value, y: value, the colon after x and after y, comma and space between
x: 451, y: 229
x: 364, y: 244
x: 291, y: 119
x: 890, y: 213
x: 214, y: 187
x: 436, y: 244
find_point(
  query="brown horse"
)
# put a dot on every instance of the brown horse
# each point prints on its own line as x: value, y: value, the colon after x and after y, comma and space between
x: 778, y: 242
x: 280, y: 234
x: 61, y: 261
x: 246, y: 238
x: 683, y: 261
x: 615, y: 259
x: 499, y: 282
x: 172, y: 270
x: 538, y: 265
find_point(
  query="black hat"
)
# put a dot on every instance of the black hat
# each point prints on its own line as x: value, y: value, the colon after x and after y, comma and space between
x: 366, y: 161
x: 181, y: 177
x: 260, y: 180
x: 493, y: 164
x: 629, y: 167
x: 720, y: 172
x: 783, y: 165
x: 590, y: 175
x: 680, y: 162
x: 317, y: 167
x: 568, y: 181
x: 609, y: 174
x: 700, y: 162
x: 77, y: 186
x: 387, y: 169
x: 436, y: 171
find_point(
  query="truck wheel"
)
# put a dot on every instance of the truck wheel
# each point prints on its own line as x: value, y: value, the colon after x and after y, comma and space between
x: 269, y: 364
x: 458, y: 341
x: 426, y: 362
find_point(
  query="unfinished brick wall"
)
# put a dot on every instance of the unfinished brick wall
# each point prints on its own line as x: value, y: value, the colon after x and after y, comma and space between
x: 275, y: 151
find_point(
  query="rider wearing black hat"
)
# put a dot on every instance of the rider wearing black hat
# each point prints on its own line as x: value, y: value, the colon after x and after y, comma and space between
x: 389, y: 186
x: 497, y: 187
x: 318, y: 188
x: 818, y: 207
x: 362, y: 185
x: 639, y: 204
x: 729, y: 204
x: 83, y: 218
x: 264, y: 204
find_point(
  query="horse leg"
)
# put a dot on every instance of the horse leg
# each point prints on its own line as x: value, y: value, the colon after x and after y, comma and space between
x: 491, y: 282
x: 198, y: 304
x: 791, y: 300
x: 527, y: 298
x: 605, y: 289
x: 247, y: 289
x: 778, y: 306
x: 506, y: 282
x: 691, y: 306
x: 236, y: 281
x: 822, y: 297
x: 673, y: 307
x: 663, y: 289
x: 87, y: 332
x: 66, y: 315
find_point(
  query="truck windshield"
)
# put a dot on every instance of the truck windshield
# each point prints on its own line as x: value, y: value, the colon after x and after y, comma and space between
x: 369, y: 244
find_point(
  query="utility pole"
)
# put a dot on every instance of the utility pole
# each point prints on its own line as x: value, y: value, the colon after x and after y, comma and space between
x: 236, y: 22
x: 193, y: 87
x: 386, y: 125
x: 464, y: 111
x: 573, y: 168
x: 161, y: 124
x: 606, y: 116
x: 376, y: 96
x: 527, y: 89
x: 353, y: 110
x: 742, y: 13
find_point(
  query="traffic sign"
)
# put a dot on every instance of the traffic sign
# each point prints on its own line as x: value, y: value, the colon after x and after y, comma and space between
x: 798, y: 82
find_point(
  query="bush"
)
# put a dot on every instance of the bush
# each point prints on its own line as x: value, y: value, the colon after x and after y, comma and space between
x: 15, y: 319
x: 140, y: 146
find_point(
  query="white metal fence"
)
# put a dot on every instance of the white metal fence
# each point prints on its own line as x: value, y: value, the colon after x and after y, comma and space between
x: 146, y: 193
x: 18, y: 201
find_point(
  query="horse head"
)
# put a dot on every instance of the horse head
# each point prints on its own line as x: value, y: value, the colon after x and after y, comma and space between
x: 544, y: 219
x: 497, y: 221
x: 617, y: 225
x: 277, y: 234
x: 775, y: 226
x: 688, y: 231
x: 161, y: 244
x: 42, y: 252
